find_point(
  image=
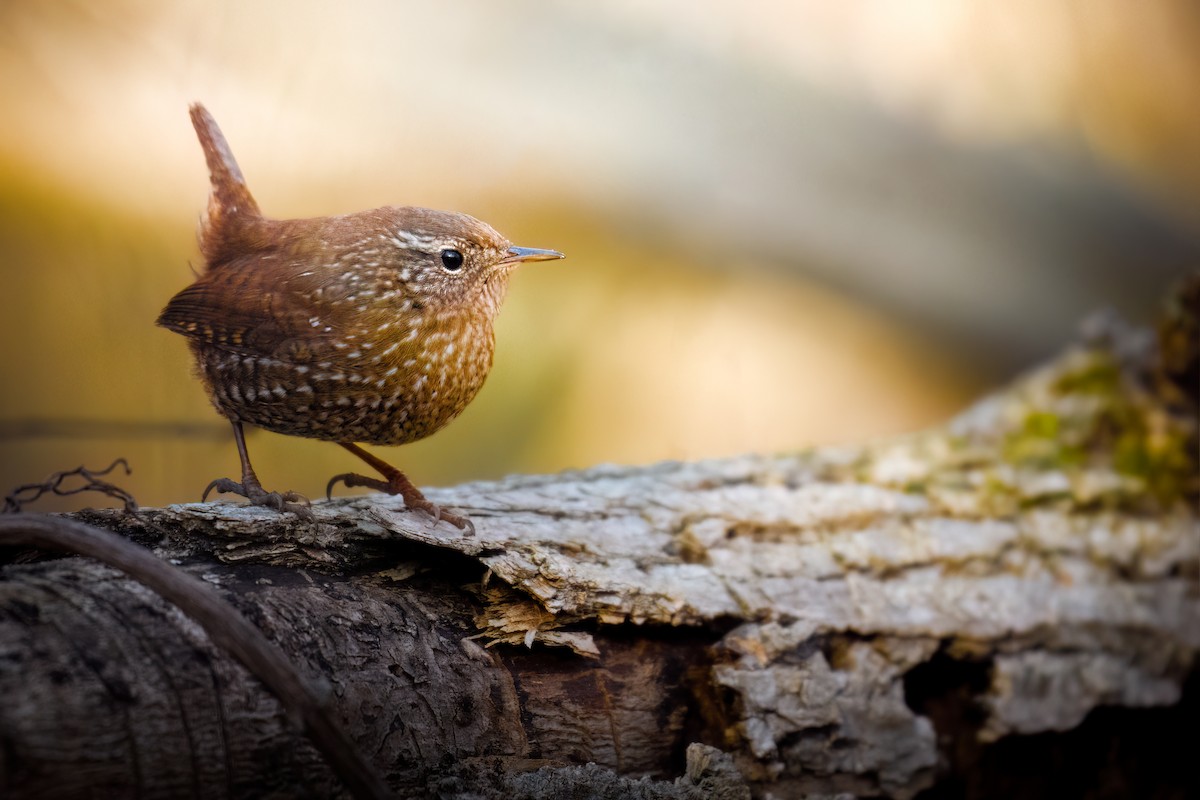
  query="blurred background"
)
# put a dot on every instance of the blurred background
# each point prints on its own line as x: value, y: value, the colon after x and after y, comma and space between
x: 788, y: 222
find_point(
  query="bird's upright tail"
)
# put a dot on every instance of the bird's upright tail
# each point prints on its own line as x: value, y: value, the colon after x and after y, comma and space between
x: 231, y: 207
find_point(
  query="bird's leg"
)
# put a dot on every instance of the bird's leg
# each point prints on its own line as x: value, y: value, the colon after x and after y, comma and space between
x: 395, y: 482
x: 252, y: 490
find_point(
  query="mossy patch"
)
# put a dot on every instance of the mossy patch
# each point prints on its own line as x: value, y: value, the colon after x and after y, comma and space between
x: 1096, y: 417
x: 1083, y: 432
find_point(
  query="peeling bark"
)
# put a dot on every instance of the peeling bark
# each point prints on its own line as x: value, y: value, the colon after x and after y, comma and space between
x: 778, y: 610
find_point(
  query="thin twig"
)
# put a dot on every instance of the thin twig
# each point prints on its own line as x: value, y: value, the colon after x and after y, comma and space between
x: 223, y: 623
x: 15, y: 502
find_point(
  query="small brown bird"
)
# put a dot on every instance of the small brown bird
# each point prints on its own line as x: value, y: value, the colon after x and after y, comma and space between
x: 372, y: 327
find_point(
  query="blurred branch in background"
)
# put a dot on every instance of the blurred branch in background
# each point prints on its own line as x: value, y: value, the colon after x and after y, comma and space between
x: 11, y: 430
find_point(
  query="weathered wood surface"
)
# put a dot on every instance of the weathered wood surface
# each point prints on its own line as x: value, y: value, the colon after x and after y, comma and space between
x: 770, y: 607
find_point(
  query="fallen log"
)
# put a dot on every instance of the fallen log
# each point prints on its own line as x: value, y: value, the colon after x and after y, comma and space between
x: 865, y: 619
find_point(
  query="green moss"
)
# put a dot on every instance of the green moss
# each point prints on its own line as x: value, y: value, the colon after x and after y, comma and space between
x: 999, y: 497
x: 1095, y: 418
x: 1133, y: 435
x: 1100, y: 375
x: 1114, y: 441
x: 1042, y: 442
x: 1164, y: 462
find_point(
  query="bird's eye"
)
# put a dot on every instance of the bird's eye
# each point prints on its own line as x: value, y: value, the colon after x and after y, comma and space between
x: 452, y: 260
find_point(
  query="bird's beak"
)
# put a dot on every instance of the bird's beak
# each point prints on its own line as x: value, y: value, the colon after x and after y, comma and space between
x: 520, y: 254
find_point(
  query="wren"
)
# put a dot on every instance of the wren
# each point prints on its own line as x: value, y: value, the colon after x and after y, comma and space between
x: 374, y: 327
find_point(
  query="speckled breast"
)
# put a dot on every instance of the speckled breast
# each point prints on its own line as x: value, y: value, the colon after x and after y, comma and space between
x: 390, y: 393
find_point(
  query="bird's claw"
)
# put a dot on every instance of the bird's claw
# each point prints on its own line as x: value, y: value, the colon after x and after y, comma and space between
x: 289, y: 502
x: 223, y: 486
x: 353, y: 480
x: 439, y: 513
x: 413, y: 499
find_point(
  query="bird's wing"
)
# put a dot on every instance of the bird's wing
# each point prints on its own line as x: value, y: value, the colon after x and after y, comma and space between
x: 232, y: 310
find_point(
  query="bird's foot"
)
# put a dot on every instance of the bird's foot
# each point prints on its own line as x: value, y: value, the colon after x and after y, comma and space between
x: 413, y: 499
x: 253, y: 491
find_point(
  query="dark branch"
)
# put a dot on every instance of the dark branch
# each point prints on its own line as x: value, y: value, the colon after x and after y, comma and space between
x: 225, y: 626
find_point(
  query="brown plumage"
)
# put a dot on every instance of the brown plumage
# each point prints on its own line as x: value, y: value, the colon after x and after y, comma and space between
x: 372, y: 327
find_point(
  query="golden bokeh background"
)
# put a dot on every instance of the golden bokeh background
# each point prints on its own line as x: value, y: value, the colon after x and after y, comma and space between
x: 787, y: 223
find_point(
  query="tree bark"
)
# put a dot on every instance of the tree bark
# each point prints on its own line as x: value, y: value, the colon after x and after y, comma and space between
x: 841, y: 620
